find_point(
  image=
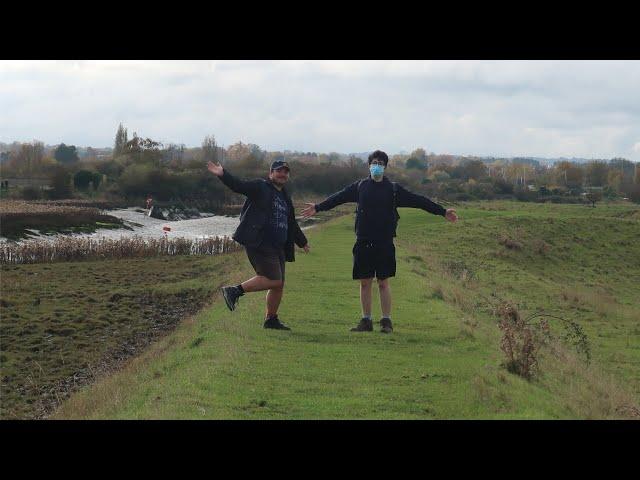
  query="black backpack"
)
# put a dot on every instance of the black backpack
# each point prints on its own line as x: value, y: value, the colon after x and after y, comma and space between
x: 395, y: 198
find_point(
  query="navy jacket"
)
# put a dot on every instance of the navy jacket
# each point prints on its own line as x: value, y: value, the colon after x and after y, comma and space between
x: 256, y: 212
x: 376, y: 218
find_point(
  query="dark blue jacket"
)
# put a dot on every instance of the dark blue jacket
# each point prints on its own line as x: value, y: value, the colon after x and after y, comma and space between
x: 376, y: 217
x: 256, y: 212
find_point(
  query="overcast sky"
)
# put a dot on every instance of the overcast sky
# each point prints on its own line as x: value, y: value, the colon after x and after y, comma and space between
x: 587, y: 109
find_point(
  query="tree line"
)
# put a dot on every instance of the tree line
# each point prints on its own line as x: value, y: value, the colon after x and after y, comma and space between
x: 139, y: 166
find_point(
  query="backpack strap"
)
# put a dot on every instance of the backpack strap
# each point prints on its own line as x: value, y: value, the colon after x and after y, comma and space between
x: 395, y: 194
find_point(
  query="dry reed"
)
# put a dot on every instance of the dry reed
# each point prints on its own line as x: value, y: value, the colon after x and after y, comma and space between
x: 75, y: 249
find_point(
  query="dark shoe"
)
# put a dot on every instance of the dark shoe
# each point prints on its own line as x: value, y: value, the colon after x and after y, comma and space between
x: 274, y: 322
x: 231, y: 295
x: 365, y: 325
x: 386, y: 326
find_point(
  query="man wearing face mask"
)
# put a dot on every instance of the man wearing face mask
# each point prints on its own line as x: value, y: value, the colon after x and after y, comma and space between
x: 374, y: 254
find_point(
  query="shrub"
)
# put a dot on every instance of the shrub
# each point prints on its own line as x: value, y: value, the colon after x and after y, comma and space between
x: 509, y: 242
x: 82, y: 178
x: 60, y: 183
x: 541, y: 247
x: 521, y: 340
x: 501, y: 186
x: 459, y: 270
x: 31, y: 193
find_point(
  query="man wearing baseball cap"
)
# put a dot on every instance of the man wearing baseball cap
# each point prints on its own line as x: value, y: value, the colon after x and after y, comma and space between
x: 268, y: 230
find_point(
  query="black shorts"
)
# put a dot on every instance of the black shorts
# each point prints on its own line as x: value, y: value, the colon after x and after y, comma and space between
x: 374, y: 259
x: 267, y: 261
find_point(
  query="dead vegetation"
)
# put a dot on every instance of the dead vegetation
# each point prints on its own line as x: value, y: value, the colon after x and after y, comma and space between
x: 516, y: 240
x: 521, y: 340
x: 74, y: 248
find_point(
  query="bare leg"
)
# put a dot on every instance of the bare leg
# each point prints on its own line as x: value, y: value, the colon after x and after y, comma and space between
x: 274, y: 296
x: 260, y: 283
x: 365, y: 296
x: 385, y: 297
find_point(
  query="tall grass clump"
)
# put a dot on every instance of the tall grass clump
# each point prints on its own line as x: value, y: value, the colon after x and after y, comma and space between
x: 522, y: 339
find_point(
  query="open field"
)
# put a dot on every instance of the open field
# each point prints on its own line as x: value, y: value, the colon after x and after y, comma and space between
x: 443, y: 359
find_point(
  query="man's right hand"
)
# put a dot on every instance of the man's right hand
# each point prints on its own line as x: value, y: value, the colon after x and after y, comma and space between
x: 310, y: 211
x: 215, y: 168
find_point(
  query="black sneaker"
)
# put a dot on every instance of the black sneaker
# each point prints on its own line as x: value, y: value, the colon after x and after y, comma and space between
x: 275, y: 323
x: 231, y: 295
x: 385, y: 324
x: 365, y: 325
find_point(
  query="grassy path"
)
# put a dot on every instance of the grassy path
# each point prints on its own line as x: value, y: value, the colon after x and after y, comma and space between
x: 442, y: 361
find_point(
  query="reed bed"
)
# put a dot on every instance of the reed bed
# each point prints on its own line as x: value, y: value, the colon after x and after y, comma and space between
x: 74, y: 249
x: 84, y: 202
x: 16, y: 207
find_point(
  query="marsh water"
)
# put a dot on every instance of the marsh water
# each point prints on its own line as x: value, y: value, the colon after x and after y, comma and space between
x: 208, y: 225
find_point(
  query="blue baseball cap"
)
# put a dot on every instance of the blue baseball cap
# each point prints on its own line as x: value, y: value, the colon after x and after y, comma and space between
x: 280, y: 164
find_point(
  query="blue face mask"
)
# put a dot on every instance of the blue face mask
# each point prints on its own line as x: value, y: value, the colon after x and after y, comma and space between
x: 376, y: 170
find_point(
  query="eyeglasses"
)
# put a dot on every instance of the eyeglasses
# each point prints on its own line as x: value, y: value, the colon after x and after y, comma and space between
x: 376, y: 162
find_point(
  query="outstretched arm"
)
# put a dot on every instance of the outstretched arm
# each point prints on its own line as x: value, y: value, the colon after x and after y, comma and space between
x: 408, y: 199
x: 247, y: 188
x: 348, y: 194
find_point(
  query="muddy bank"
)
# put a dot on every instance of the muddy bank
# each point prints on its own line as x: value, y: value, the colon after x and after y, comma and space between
x: 164, y: 316
x: 65, y: 324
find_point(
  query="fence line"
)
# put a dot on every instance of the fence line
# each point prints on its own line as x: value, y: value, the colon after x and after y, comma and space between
x: 74, y: 249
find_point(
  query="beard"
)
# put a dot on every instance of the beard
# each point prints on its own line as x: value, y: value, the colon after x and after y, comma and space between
x: 279, y: 181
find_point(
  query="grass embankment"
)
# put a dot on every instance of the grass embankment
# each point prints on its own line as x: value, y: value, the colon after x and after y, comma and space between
x: 63, y: 324
x: 444, y: 358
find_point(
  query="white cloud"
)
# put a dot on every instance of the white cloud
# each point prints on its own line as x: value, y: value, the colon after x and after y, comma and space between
x: 541, y: 108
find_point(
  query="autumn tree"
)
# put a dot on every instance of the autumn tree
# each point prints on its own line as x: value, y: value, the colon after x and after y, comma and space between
x: 415, y: 163
x: 173, y: 154
x: 60, y: 183
x: 142, y: 150
x: 66, y: 154
x: 237, y: 152
x: 470, y: 169
x: 120, y: 141
x: 353, y: 161
x: 398, y: 161
x: 28, y: 160
x: 569, y: 174
x: 417, y: 159
x: 626, y: 168
x: 596, y: 173
x: 594, y: 197
x: 91, y: 155
x: 82, y: 179
x: 210, y: 151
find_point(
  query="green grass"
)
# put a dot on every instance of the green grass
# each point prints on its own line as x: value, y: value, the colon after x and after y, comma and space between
x: 443, y: 359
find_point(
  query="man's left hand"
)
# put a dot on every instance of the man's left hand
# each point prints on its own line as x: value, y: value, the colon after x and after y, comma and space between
x: 451, y: 215
x: 306, y: 248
